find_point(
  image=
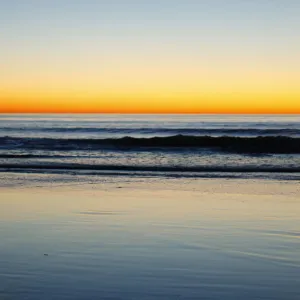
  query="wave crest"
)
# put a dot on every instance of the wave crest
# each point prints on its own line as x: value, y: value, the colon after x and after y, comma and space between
x: 272, y: 145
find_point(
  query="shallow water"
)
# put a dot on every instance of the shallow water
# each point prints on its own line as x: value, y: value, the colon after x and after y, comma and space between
x: 148, y: 238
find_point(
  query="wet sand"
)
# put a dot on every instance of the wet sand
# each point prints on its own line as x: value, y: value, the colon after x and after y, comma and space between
x: 150, y: 239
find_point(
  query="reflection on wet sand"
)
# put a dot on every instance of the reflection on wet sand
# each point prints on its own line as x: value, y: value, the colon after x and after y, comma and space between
x: 172, y: 239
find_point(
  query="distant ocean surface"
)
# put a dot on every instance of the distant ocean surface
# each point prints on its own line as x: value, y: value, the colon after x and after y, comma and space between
x: 161, y: 145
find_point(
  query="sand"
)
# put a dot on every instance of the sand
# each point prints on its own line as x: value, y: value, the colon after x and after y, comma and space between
x: 149, y: 238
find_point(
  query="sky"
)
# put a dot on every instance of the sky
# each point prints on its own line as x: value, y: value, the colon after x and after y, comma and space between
x: 158, y: 56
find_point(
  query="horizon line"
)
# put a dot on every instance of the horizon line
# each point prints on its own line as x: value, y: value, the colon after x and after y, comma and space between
x: 157, y: 113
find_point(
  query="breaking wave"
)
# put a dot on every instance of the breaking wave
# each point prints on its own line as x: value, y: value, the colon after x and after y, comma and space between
x: 260, y: 144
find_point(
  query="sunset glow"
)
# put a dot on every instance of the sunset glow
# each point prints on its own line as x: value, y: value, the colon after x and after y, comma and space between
x: 142, y: 57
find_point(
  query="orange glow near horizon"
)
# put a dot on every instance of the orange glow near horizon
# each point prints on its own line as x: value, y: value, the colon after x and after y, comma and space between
x: 207, y: 103
x: 134, y: 86
x: 152, y: 92
x: 110, y: 106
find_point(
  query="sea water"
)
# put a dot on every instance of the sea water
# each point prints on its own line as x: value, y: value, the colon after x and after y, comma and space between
x: 149, y: 207
x: 169, y: 145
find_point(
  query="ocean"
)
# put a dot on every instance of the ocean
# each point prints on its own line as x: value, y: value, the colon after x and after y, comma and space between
x: 149, y: 207
x: 156, y: 145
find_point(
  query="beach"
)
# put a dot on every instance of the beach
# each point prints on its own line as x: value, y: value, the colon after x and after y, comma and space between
x: 149, y: 207
x: 150, y: 150
x: 109, y: 237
